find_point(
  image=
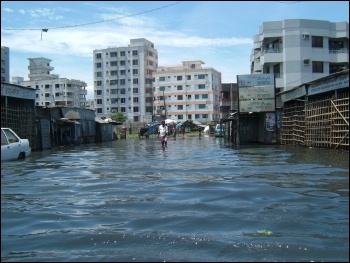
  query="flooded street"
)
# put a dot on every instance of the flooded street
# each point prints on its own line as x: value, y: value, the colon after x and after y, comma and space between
x: 196, y: 200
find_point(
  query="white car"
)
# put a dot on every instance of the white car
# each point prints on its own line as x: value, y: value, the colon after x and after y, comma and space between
x: 12, y: 146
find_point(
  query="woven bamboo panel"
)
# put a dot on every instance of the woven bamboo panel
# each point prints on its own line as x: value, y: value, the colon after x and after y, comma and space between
x: 317, y: 123
x: 293, y: 123
x: 339, y: 137
x: 20, y: 118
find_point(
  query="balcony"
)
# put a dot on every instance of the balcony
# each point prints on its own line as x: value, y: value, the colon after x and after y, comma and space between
x: 271, y: 55
x: 340, y: 55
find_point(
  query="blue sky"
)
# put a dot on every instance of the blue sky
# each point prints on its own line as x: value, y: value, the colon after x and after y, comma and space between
x: 220, y: 33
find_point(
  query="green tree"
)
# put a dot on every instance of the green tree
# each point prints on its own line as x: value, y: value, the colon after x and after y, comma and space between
x: 118, y: 117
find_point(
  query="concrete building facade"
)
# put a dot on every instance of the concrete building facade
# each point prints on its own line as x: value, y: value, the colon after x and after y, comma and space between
x: 5, y: 64
x: 187, y: 92
x: 300, y: 50
x: 51, y: 90
x: 123, y: 80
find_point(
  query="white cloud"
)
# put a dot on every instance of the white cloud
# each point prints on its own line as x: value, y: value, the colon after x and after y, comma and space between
x: 7, y: 10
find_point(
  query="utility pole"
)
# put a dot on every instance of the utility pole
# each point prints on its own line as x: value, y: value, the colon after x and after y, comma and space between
x: 164, y: 105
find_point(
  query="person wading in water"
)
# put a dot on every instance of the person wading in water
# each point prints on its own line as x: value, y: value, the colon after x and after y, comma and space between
x: 163, y: 132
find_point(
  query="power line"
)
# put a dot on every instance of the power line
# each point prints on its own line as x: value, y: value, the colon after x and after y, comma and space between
x: 91, y: 23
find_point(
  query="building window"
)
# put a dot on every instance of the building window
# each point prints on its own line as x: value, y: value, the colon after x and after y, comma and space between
x: 180, y: 117
x: 179, y: 97
x: 122, y: 63
x: 98, y: 83
x: 122, y: 72
x: 201, y: 76
x: 99, y: 101
x: 122, y: 109
x: 201, y: 106
x: 122, y: 91
x: 317, y: 66
x: 122, y: 100
x: 114, y: 72
x: 201, y: 86
x: 122, y: 81
x: 204, y: 96
x: 135, y: 99
x: 179, y: 77
x: 114, y: 91
x: 98, y: 65
x: 134, y: 53
x: 113, y: 82
x: 135, y: 62
x: 179, y: 87
x: 98, y: 92
x: 161, y: 78
x: 114, y: 63
x: 135, y: 90
x: 99, y: 74
x: 135, y: 81
x: 122, y: 53
x: 180, y: 107
x: 135, y: 71
x: 188, y: 77
x: 99, y: 55
x: 317, y: 41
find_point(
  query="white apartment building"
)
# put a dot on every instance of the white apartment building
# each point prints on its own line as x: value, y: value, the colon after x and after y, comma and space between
x: 188, y: 91
x: 300, y: 50
x: 5, y: 64
x: 123, y: 80
x: 51, y: 90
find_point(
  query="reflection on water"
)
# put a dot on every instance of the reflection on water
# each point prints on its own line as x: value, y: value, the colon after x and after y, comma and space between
x: 196, y: 200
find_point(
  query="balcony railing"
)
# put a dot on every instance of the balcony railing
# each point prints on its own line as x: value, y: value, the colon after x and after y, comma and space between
x: 338, y: 50
x: 273, y: 50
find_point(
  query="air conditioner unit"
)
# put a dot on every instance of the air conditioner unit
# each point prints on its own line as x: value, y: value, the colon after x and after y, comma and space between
x: 306, y: 36
x: 306, y: 61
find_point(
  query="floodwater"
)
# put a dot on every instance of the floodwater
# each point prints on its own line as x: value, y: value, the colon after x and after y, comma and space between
x: 196, y: 200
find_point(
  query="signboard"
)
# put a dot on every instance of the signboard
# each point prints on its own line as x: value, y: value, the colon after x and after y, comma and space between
x: 256, y: 80
x: 299, y: 92
x: 328, y: 85
x: 257, y: 105
x: 256, y: 92
x: 11, y: 90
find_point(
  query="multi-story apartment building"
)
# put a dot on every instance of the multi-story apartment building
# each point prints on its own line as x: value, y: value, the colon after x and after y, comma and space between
x: 5, y: 64
x: 298, y: 51
x: 51, y: 90
x: 188, y: 91
x: 123, y: 80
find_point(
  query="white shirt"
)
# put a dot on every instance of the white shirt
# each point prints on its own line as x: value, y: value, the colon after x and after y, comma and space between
x: 163, y: 130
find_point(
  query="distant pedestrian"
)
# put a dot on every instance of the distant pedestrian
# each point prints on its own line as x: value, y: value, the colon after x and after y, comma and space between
x: 66, y: 139
x: 183, y: 131
x: 200, y: 133
x: 174, y: 132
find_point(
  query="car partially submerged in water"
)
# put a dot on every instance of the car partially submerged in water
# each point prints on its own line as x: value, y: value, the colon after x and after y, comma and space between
x: 12, y: 146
